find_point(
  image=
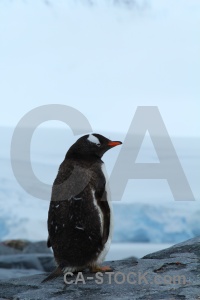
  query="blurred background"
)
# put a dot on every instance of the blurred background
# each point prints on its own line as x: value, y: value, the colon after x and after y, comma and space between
x: 103, y: 58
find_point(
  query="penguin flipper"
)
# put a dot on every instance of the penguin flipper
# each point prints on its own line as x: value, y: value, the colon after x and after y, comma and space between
x: 48, y: 242
x: 56, y: 273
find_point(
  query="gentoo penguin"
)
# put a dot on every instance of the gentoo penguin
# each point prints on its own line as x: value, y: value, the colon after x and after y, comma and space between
x: 80, y: 219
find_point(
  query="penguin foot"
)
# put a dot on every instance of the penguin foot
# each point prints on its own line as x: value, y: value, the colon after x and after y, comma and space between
x: 96, y: 269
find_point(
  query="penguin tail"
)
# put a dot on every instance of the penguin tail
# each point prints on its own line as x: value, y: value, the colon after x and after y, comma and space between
x: 56, y: 273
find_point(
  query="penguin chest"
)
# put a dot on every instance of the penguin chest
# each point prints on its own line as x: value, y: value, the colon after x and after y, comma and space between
x: 108, y: 196
x: 110, y: 229
x: 99, y: 211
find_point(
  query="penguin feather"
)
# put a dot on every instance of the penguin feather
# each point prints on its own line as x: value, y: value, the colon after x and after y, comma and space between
x: 56, y: 273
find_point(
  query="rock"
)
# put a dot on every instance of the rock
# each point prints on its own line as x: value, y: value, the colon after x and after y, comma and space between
x: 15, y: 273
x: 23, y: 246
x: 169, y: 274
x: 22, y: 254
x: 47, y: 261
x: 43, y: 262
x: 189, y: 246
x: 16, y: 244
x: 37, y: 247
x: 6, y: 250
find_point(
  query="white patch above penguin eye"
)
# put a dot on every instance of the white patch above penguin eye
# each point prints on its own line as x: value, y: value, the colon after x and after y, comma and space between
x: 94, y: 139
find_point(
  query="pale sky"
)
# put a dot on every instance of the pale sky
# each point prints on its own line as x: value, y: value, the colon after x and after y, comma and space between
x: 103, y: 61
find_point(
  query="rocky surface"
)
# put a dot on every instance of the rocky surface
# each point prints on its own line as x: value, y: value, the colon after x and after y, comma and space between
x: 173, y: 273
x: 23, y: 258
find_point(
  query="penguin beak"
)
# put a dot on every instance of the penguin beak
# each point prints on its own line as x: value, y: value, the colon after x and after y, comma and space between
x: 114, y: 143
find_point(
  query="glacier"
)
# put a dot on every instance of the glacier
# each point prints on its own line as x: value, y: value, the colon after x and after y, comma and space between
x: 23, y: 216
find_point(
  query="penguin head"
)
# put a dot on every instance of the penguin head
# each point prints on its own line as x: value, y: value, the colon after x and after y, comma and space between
x: 92, y: 145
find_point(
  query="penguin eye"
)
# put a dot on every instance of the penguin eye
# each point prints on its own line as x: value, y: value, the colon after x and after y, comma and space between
x: 98, y: 145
